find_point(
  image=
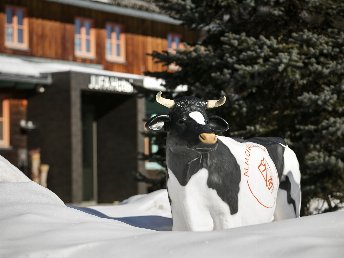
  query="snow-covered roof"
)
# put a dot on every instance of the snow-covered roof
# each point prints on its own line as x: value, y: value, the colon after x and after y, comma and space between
x: 128, y: 8
x: 143, y: 5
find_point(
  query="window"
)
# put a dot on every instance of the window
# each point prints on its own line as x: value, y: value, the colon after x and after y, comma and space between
x: 84, y: 45
x: 16, y: 28
x: 173, y: 41
x: 115, y: 42
x: 151, y: 147
x: 4, y: 123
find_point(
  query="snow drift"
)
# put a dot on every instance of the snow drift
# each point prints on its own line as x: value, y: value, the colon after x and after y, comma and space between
x: 34, y: 222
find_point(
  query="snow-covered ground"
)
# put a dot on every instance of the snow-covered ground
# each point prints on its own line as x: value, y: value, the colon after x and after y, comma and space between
x: 34, y: 222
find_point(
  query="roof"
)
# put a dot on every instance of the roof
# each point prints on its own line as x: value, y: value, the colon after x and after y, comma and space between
x: 143, y: 5
x: 134, y: 8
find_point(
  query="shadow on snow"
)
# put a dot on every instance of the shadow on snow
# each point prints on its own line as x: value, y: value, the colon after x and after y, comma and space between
x: 153, y: 222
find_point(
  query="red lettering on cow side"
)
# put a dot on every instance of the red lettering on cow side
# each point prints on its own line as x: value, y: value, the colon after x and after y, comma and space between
x: 270, y: 184
x: 247, y: 159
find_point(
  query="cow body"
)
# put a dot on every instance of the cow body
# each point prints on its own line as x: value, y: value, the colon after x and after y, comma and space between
x: 219, y: 183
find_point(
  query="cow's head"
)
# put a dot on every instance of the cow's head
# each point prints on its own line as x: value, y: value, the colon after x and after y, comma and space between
x: 187, y: 123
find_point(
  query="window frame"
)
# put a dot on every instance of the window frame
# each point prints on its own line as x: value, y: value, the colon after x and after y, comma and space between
x: 83, y: 53
x: 114, y: 57
x: 15, y: 27
x: 5, y: 118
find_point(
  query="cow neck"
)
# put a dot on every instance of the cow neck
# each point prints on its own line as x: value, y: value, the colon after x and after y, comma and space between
x: 185, y: 162
x: 224, y: 173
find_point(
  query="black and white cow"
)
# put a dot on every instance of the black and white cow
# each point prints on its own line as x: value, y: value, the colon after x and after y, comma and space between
x: 219, y: 182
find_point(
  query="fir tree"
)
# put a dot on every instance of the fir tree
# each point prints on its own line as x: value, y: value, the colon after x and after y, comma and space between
x: 281, y: 65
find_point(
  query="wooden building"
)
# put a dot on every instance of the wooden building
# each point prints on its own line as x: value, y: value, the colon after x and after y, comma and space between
x: 67, y: 71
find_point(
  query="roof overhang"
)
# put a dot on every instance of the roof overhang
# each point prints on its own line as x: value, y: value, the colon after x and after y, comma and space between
x: 44, y: 79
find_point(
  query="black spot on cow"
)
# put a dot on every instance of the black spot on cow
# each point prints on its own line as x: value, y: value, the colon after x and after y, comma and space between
x: 286, y: 185
x: 225, y: 176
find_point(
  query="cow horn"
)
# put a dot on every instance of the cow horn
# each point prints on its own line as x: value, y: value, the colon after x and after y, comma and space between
x: 216, y: 103
x: 169, y: 103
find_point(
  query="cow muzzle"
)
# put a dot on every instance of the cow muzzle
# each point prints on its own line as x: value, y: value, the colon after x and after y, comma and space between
x: 208, y: 138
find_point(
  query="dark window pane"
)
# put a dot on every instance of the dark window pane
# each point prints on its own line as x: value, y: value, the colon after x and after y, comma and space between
x: 87, y: 27
x: 169, y: 41
x: 77, y: 26
x: 9, y: 16
x: 1, y: 131
x: 108, y: 31
x: 177, y: 41
x: 118, y: 49
x: 118, y: 33
x: 20, y: 36
x: 88, y: 45
x: 20, y: 16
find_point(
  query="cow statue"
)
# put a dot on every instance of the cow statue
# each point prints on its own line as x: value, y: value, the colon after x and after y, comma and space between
x: 217, y: 182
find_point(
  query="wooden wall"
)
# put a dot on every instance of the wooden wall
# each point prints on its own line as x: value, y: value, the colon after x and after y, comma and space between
x: 18, y: 139
x: 51, y: 35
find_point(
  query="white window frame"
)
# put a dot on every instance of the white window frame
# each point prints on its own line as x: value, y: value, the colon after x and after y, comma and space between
x: 15, y: 27
x: 83, y: 37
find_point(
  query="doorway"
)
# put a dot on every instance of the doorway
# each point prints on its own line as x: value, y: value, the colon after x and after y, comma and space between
x: 89, y: 153
x: 109, y: 146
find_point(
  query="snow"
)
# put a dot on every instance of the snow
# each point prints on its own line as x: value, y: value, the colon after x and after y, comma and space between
x: 34, y: 222
x: 38, y: 67
x: 318, y: 205
x: 155, y: 203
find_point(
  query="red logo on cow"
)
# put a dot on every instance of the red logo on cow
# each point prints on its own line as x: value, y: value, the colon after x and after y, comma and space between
x: 264, y: 169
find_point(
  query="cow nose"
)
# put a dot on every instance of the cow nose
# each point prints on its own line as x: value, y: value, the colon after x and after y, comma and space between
x: 208, y: 138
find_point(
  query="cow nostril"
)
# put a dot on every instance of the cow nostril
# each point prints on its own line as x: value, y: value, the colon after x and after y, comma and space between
x: 181, y: 121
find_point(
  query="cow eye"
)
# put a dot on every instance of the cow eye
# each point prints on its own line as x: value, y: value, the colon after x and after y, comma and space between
x: 181, y: 121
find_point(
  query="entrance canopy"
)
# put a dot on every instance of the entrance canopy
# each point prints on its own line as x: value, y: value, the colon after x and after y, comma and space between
x: 27, y: 72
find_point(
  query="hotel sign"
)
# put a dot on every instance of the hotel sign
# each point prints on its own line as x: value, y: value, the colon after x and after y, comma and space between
x: 108, y: 83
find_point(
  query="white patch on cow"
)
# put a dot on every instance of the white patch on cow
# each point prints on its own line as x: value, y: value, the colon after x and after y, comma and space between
x: 197, y: 207
x: 198, y: 117
x: 291, y: 164
x: 257, y: 196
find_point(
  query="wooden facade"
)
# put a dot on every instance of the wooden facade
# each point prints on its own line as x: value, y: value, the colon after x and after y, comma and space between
x: 51, y: 35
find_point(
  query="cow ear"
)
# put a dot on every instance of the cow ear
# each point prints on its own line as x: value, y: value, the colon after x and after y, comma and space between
x: 158, y: 123
x: 218, y: 124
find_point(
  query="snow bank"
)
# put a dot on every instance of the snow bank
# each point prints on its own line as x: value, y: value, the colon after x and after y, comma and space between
x: 35, y: 223
x: 155, y: 203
